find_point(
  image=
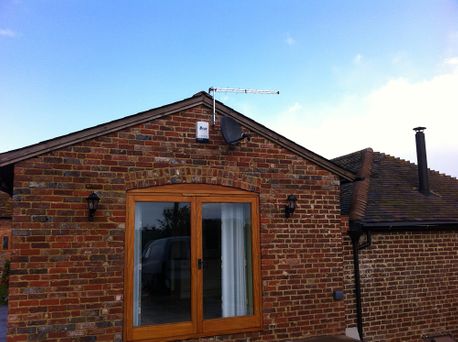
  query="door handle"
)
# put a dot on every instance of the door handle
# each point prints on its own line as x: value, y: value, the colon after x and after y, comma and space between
x: 200, y: 264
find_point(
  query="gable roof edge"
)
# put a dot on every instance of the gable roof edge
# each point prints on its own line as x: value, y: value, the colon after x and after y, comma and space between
x: 50, y: 145
x: 201, y: 98
x: 281, y: 140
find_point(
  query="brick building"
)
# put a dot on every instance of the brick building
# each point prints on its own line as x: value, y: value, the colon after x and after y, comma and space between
x: 189, y: 239
x: 403, y: 225
x: 193, y: 239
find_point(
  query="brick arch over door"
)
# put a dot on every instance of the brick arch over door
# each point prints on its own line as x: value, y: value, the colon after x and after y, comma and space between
x: 190, y: 175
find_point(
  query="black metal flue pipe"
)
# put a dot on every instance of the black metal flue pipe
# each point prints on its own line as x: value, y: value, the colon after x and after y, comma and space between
x: 423, y: 182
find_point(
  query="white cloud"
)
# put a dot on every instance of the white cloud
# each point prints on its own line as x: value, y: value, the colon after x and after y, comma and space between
x: 358, y: 59
x: 290, y: 40
x: 451, y: 61
x: 399, y: 58
x: 7, y: 33
x: 294, y: 108
x: 383, y: 119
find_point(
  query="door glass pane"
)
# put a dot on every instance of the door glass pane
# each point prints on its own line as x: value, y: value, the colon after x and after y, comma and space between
x: 162, y: 263
x: 227, y: 267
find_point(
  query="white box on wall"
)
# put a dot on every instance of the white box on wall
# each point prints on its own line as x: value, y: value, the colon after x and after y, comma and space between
x: 202, y: 131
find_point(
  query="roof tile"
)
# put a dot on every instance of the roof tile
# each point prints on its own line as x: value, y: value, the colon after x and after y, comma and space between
x: 392, y: 195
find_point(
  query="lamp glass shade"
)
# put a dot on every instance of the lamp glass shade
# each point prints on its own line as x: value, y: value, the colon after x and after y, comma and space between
x: 93, y: 201
x: 292, y: 202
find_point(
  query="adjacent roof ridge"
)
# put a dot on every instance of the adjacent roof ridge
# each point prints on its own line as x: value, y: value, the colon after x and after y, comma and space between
x: 352, y: 154
x: 442, y: 174
x: 405, y: 161
x: 411, y: 163
x: 361, y: 186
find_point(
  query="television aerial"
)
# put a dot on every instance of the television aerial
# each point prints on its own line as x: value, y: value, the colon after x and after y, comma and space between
x: 231, y: 129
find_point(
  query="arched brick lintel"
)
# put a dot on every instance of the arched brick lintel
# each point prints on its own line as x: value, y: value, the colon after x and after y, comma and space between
x: 192, y: 175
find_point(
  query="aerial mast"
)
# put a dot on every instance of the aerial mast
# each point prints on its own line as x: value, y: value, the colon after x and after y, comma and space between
x: 213, y: 90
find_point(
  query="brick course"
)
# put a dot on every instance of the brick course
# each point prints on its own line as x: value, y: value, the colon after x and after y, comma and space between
x: 67, y: 274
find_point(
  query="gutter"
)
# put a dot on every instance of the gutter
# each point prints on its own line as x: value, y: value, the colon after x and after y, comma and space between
x: 419, y: 226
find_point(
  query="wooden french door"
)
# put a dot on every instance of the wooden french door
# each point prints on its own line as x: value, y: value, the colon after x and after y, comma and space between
x: 192, y: 262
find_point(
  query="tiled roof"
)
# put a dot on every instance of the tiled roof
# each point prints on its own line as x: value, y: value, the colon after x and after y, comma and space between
x: 388, y: 193
x: 5, y: 205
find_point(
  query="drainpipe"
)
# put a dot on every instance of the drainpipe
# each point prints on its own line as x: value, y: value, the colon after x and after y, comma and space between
x: 355, y: 236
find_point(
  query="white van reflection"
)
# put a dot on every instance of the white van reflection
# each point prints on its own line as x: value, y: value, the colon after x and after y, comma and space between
x: 166, y: 265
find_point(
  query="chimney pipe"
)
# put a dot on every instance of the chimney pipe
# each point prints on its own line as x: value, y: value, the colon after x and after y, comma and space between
x: 423, y: 185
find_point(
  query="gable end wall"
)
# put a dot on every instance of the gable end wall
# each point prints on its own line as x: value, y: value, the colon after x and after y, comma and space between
x: 67, y: 273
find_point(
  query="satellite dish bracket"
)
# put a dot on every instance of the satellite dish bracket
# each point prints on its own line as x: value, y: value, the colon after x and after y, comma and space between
x: 243, y: 136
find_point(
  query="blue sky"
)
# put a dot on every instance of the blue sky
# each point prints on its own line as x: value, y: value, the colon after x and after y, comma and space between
x: 351, y: 75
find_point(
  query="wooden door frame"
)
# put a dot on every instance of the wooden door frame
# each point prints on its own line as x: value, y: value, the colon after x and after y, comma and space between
x: 196, y: 194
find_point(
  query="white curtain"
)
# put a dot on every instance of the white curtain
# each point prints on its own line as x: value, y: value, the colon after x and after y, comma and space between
x: 137, y: 265
x: 233, y: 256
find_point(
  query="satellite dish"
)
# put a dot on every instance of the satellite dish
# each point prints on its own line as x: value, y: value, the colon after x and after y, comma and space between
x: 232, y: 131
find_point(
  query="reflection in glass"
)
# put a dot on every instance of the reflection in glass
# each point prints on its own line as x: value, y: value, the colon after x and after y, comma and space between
x: 162, y: 269
x: 226, y: 247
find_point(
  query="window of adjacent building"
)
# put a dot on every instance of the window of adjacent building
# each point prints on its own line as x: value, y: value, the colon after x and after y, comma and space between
x: 192, y: 262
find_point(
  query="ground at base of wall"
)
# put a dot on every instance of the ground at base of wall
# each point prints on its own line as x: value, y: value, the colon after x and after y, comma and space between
x: 329, y: 339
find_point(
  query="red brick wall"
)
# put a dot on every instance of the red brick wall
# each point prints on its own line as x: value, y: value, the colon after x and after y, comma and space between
x: 409, y: 285
x: 67, y: 276
x: 5, y: 205
x: 349, y: 279
x: 5, y: 231
x: 5, y: 227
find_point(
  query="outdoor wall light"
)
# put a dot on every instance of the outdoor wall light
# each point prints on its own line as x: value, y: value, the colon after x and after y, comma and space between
x: 291, y: 206
x: 92, y: 205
